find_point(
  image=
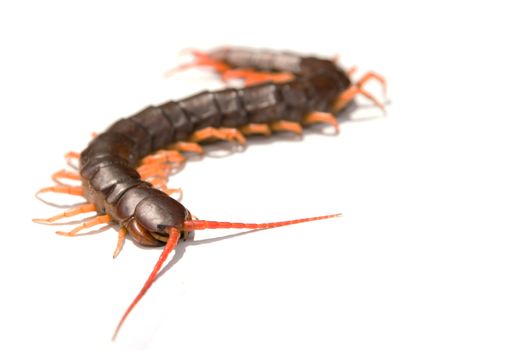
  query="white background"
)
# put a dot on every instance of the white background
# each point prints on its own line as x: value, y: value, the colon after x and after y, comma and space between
x: 429, y: 253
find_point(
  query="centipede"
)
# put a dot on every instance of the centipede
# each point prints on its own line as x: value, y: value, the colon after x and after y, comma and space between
x: 123, y: 172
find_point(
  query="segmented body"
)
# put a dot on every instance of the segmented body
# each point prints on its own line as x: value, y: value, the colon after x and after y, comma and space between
x: 108, y: 164
x: 308, y: 92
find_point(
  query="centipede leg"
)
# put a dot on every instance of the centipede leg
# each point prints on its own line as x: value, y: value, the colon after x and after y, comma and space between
x: 256, y: 129
x: 357, y: 89
x: 226, y: 134
x: 153, y: 170
x: 251, y: 77
x: 158, y: 166
x: 120, y: 243
x: 322, y: 117
x: 189, y: 147
x: 349, y: 94
x: 201, y: 59
x: 72, y: 155
x: 64, y: 174
x: 101, y: 219
x: 72, y: 190
x: 375, y: 76
x: 285, y: 125
x: 81, y: 209
x: 164, y: 156
x: 161, y: 183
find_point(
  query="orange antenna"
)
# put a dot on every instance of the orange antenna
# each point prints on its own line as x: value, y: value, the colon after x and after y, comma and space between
x: 192, y: 225
x: 173, y: 239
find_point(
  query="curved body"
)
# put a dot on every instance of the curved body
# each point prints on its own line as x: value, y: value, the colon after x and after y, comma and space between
x: 108, y: 173
x: 306, y: 91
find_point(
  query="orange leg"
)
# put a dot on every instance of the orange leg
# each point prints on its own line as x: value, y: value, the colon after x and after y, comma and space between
x: 73, y: 190
x: 72, y: 155
x: 162, y: 184
x: 322, y: 117
x: 252, y: 77
x: 284, y: 125
x: 158, y: 182
x: 157, y: 167
x: 201, y: 59
x: 64, y: 174
x: 158, y: 177
x: 164, y: 156
x: 120, y: 243
x: 373, y: 75
x: 256, y: 129
x: 188, y: 147
x: 357, y: 89
x: 81, y: 209
x: 226, y: 134
x: 170, y: 191
x: 154, y: 169
x: 101, y: 219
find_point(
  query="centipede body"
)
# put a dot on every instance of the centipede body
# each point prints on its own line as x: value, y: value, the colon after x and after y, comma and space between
x: 119, y: 166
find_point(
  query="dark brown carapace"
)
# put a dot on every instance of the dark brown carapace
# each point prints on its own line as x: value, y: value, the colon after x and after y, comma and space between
x: 124, y: 170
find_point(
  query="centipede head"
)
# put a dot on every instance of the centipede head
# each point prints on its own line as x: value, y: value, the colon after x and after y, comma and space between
x: 162, y: 220
x: 154, y: 218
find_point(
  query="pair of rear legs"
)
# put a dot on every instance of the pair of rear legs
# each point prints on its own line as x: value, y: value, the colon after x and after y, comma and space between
x: 251, y: 77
